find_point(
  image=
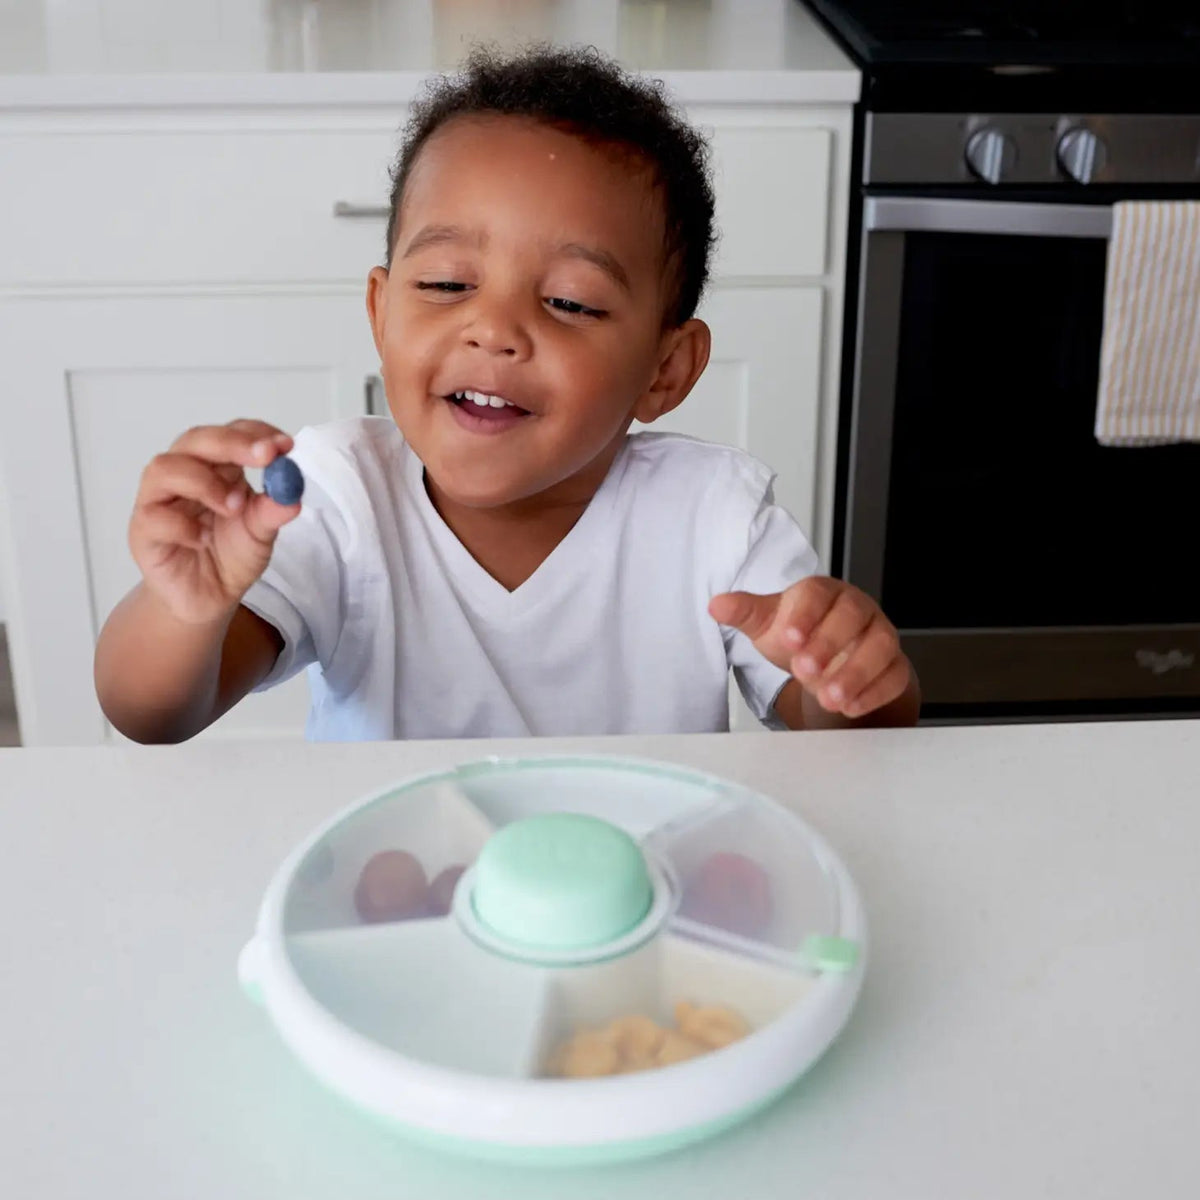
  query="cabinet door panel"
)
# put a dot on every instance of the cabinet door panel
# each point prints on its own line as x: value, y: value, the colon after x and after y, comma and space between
x: 194, y: 206
x: 103, y: 385
x: 762, y: 387
x: 772, y: 188
x: 159, y: 405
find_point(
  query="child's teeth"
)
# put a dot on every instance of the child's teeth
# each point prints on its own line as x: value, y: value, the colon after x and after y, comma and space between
x: 483, y: 400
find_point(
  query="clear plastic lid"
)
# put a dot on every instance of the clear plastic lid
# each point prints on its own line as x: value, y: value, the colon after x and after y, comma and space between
x: 701, y: 903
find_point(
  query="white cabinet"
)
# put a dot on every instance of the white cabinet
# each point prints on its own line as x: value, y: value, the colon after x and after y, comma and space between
x: 773, y: 197
x: 184, y: 268
x: 762, y: 391
x: 226, y: 202
x: 97, y: 387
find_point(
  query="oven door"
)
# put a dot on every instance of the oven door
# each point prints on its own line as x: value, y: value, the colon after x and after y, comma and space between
x: 1029, y: 569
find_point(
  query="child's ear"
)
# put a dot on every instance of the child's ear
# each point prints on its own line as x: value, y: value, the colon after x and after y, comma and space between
x: 684, y: 356
x: 377, y: 304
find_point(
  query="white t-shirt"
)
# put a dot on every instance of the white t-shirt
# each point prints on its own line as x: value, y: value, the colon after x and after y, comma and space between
x: 405, y: 635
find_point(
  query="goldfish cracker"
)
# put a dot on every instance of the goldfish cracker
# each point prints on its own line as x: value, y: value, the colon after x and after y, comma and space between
x: 712, y: 1026
x: 636, y: 1037
x: 683, y: 1012
x: 588, y: 1055
x: 636, y: 1042
x: 677, y: 1048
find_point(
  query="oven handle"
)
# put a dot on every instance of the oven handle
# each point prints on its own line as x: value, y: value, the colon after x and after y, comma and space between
x: 912, y: 214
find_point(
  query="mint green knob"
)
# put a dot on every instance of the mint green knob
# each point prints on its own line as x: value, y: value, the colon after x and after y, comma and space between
x: 561, y: 881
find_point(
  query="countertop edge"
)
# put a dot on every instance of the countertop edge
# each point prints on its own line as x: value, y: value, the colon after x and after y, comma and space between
x: 357, y: 88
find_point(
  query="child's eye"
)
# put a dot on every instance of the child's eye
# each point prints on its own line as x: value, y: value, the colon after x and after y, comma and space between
x: 573, y: 307
x: 441, y: 285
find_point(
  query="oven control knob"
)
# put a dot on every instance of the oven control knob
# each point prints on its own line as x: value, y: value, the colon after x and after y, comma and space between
x: 990, y: 154
x: 1082, y: 154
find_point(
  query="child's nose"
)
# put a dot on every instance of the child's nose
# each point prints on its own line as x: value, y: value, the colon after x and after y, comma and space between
x: 496, y: 330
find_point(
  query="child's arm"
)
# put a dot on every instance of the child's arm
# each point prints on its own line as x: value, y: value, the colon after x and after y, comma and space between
x: 162, y: 680
x: 180, y: 649
x: 843, y: 653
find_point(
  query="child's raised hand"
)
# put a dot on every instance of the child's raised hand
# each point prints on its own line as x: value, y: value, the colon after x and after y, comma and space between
x: 830, y: 635
x: 199, y: 533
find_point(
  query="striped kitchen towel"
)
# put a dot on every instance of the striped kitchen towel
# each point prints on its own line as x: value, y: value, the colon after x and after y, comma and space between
x: 1150, y: 352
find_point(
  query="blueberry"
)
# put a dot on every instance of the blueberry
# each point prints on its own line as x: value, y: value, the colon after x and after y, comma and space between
x: 282, y: 481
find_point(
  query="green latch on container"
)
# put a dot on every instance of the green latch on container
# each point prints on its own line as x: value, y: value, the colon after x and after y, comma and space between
x: 825, y: 953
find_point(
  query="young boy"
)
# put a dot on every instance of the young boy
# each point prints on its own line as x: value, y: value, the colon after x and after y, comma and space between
x: 502, y: 558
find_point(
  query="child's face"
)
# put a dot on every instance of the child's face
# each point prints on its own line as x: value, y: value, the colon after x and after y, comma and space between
x: 527, y: 265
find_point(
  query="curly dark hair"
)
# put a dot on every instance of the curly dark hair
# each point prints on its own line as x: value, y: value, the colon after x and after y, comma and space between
x: 580, y: 91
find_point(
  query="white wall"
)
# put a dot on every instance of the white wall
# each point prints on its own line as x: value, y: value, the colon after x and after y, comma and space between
x: 4, y: 552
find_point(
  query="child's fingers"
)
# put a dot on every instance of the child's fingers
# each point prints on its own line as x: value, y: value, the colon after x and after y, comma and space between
x: 166, y: 526
x: 805, y: 605
x: 246, y: 443
x: 265, y: 518
x: 750, y: 613
x: 882, y: 690
x: 858, y: 664
x: 172, y: 476
x: 230, y: 472
x: 846, y: 621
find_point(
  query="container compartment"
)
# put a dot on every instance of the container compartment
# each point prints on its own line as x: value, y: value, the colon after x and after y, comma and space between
x: 434, y: 823
x: 638, y: 798
x: 424, y: 990
x: 623, y: 1016
x: 750, y: 879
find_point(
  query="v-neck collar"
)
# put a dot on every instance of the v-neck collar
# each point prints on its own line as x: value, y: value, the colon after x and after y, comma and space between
x: 556, y: 571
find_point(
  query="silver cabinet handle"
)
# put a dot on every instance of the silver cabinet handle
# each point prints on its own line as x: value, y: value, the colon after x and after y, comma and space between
x: 374, y: 397
x: 343, y: 208
x: 909, y: 214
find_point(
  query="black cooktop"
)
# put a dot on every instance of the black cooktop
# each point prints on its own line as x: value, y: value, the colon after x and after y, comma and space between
x: 1102, y: 55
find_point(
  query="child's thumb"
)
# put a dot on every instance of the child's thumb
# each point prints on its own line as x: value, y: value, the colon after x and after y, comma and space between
x: 264, y: 518
x: 750, y: 613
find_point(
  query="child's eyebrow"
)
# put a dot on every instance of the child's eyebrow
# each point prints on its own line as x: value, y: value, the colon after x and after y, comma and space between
x: 597, y: 257
x: 435, y: 235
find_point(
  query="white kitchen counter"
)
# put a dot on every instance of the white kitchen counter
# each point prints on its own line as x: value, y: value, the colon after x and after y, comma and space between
x: 1027, y: 1026
x: 122, y: 53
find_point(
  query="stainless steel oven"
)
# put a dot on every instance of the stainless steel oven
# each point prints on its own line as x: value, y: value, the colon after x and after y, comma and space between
x: 1030, y: 569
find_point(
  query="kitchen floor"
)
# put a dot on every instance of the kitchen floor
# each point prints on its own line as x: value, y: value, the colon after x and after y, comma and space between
x: 10, y: 735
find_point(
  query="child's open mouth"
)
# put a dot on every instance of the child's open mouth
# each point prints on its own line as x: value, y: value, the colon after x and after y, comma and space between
x: 483, y: 413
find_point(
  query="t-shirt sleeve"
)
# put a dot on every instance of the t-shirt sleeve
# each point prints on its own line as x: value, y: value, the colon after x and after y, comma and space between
x: 301, y: 592
x: 777, y: 555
